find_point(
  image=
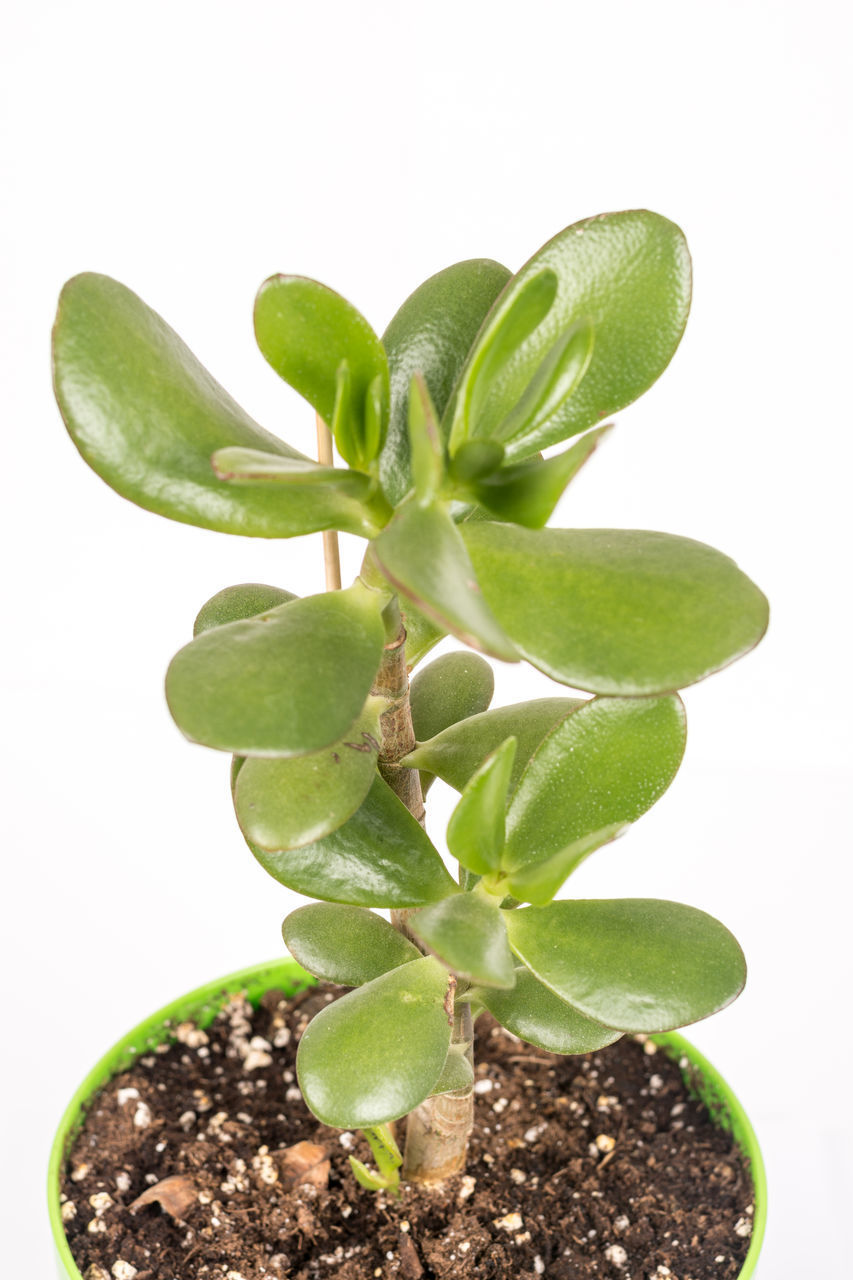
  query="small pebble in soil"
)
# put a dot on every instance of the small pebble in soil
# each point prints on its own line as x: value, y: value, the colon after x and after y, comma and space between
x: 616, y: 1254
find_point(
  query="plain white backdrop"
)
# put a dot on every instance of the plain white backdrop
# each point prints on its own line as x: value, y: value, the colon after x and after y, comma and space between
x: 192, y: 149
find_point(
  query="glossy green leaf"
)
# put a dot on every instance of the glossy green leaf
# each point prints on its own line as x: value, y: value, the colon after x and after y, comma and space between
x: 147, y: 417
x: 427, y: 451
x: 381, y: 857
x: 347, y: 945
x: 286, y: 682
x: 431, y: 334
x: 533, y: 1013
x: 252, y: 466
x: 635, y: 964
x: 468, y: 934
x: 554, y: 381
x: 233, y: 604
x: 596, y: 772
x: 422, y: 554
x: 626, y: 273
x: 456, y: 753
x: 290, y: 802
x: 476, y: 832
x: 457, y: 1072
x: 452, y: 688
x: 527, y: 492
x: 508, y: 328
x: 306, y: 331
x: 355, y: 1062
x: 616, y: 611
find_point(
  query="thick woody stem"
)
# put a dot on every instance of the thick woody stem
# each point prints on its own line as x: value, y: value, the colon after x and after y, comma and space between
x: 437, y: 1131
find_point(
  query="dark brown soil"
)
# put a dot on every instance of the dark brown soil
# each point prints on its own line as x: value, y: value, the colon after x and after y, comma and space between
x: 595, y: 1166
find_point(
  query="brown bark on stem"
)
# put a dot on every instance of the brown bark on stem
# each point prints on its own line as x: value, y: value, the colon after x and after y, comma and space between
x: 437, y: 1131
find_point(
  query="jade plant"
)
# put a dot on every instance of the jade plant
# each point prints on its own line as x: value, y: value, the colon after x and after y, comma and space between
x: 440, y: 427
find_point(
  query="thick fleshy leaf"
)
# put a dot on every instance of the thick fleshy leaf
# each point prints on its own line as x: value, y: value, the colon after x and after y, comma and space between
x: 147, y: 417
x: 457, y: 1072
x: 307, y: 331
x: 533, y: 1013
x: 347, y: 945
x: 596, y: 772
x: 477, y: 829
x: 616, y: 611
x: 286, y: 803
x: 468, y: 934
x: 431, y: 334
x: 422, y: 554
x: 381, y: 857
x: 455, y: 754
x: 251, y: 466
x: 356, y: 1064
x: 527, y: 492
x: 554, y: 381
x: 233, y: 604
x: 452, y: 688
x: 635, y: 964
x: 628, y: 274
x: 286, y: 682
x: 425, y: 444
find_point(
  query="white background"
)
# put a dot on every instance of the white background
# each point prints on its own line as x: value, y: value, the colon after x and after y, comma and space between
x: 192, y: 149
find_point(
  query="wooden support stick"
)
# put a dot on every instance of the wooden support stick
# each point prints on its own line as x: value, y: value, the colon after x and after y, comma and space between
x: 331, y: 551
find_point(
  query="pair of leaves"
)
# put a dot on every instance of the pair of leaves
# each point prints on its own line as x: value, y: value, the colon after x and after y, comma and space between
x: 590, y: 971
x: 148, y: 418
x: 583, y: 329
x: 545, y: 783
x: 324, y: 348
x: 285, y: 682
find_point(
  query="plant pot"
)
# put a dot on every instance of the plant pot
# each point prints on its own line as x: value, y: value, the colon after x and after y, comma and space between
x: 202, y: 1006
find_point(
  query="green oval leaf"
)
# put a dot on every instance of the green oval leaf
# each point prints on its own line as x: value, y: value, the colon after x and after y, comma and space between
x: 599, y: 770
x: 468, y: 934
x: 452, y: 688
x: 431, y: 334
x: 533, y: 1013
x: 347, y: 945
x: 477, y: 829
x: 629, y: 275
x: 635, y: 964
x: 286, y: 682
x: 233, y: 604
x: 422, y: 554
x: 455, y: 754
x: 616, y: 611
x: 355, y: 1062
x: 147, y: 417
x: 286, y: 803
x: 306, y: 331
x: 381, y: 857
x: 553, y: 382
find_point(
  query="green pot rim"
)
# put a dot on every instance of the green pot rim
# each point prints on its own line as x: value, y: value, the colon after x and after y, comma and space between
x: 202, y: 1005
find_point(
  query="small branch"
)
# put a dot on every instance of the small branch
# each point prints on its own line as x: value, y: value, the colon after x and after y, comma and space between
x: 331, y: 552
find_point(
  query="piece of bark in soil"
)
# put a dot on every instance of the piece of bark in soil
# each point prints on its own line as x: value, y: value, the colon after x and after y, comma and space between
x: 573, y: 1161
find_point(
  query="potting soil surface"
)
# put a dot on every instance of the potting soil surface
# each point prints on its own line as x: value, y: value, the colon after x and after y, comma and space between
x: 203, y: 1163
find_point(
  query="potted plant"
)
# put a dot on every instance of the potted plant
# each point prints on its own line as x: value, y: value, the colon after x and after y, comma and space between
x: 441, y: 427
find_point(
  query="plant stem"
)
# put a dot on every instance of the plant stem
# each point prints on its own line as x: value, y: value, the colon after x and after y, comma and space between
x: 437, y: 1131
x: 331, y: 552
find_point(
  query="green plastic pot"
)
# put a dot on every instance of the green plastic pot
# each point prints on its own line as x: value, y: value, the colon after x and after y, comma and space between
x: 202, y: 1006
